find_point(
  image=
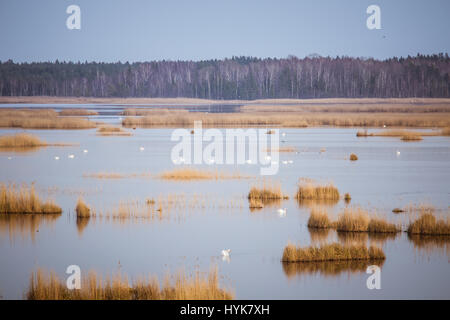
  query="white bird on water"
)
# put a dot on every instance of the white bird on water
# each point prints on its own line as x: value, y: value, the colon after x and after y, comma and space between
x: 282, y: 212
x: 85, y: 151
x: 141, y: 148
x: 290, y: 161
x: 283, y: 134
x: 248, y: 161
x: 285, y: 162
x: 268, y: 158
x: 398, y: 153
x: 9, y: 158
x: 226, y: 252
x: 71, y: 156
x: 56, y: 158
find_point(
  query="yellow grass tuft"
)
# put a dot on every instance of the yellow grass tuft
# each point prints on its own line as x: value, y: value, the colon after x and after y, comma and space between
x: 21, y: 140
x: 311, y: 191
x: 319, y: 219
x: 266, y: 193
x: 353, y: 157
x: 107, y: 130
x: 353, y: 220
x: 47, y: 286
x: 24, y: 200
x: 82, y: 210
x: 186, y: 174
x: 427, y: 224
x: 331, y: 252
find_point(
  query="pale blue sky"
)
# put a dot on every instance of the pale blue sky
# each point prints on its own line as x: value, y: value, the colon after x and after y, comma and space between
x: 143, y: 30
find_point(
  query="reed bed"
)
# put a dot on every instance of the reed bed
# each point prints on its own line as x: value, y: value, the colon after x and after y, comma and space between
x: 319, y: 219
x: 179, y: 286
x: 21, y: 140
x: 151, y: 111
x: 78, y: 112
x: 116, y: 175
x: 353, y: 220
x: 331, y: 252
x: 112, y: 131
x: 24, y: 200
x: 186, y: 174
x: 266, y: 192
x: 313, y: 191
x: 291, y: 120
x: 427, y: 224
x: 41, y: 119
x: 82, y: 209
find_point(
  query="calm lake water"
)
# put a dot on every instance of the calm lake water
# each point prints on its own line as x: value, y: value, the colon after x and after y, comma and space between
x: 203, y: 217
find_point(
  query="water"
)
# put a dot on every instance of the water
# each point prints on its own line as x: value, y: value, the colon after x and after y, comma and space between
x: 213, y: 215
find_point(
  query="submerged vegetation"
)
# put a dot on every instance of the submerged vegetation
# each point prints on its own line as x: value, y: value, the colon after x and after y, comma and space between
x: 24, y: 200
x: 179, y: 286
x: 331, y: 252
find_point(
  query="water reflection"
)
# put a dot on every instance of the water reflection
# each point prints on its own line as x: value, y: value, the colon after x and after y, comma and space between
x: 429, y: 244
x: 327, y: 268
x: 349, y: 238
x: 82, y: 223
x: 319, y: 236
x: 24, y: 226
x: 308, y: 203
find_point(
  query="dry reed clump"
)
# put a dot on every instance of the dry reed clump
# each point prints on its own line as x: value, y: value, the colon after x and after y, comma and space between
x: 353, y: 220
x: 266, y: 193
x: 41, y: 119
x: 319, y: 219
x: 427, y: 224
x: 78, y: 112
x: 186, y: 174
x: 82, y: 209
x: 353, y: 157
x: 47, y: 286
x: 24, y: 200
x: 255, y: 203
x: 358, y: 220
x: 151, y: 111
x: 445, y: 131
x: 397, y: 210
x: 347, y: 197
x: 21, y: 140
x: 312, y: 191
x: 112, y: 131
x: 377, y: 225
x: 116, y: 175
x: 331, y: 252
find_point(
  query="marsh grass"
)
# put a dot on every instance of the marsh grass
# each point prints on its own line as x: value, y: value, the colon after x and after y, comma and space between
x: 82, y: 209
x: 24, y: 200
x: 21, y: 140
x: 186, y: 174
x: 107, y: 130
x: 427, y: 224
x: 319, y: 219
x: 378, y: 225
x: 179, y: 286
x: 353, y: 157
x: 312, y: 191
x: 266, y: 192
x: 116, y: 175
x: 78, y: 112
x: 41, y: 119
x: 331, y: 252
x: 353, y: 220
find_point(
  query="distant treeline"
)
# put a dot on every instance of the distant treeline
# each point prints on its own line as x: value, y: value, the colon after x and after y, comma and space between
x: 236, y: 78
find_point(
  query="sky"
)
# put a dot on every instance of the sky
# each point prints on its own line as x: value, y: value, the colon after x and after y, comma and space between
x: 147, y: 30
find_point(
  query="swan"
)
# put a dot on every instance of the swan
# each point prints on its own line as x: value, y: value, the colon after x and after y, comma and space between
x: 226, y: 252
x: 248, y: 161
x: 56, y: 158
x: 9, y: 158
x: 283, y: 134
x: 85, y: 151
x: 268, y: 158
x: 71, y: 156
x: 282, y: 212
x: 398, y: 153
x: 141, y: 148
x: 285, y: 162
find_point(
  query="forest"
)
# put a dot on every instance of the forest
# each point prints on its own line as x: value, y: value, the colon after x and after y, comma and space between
x: 242, y: 78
